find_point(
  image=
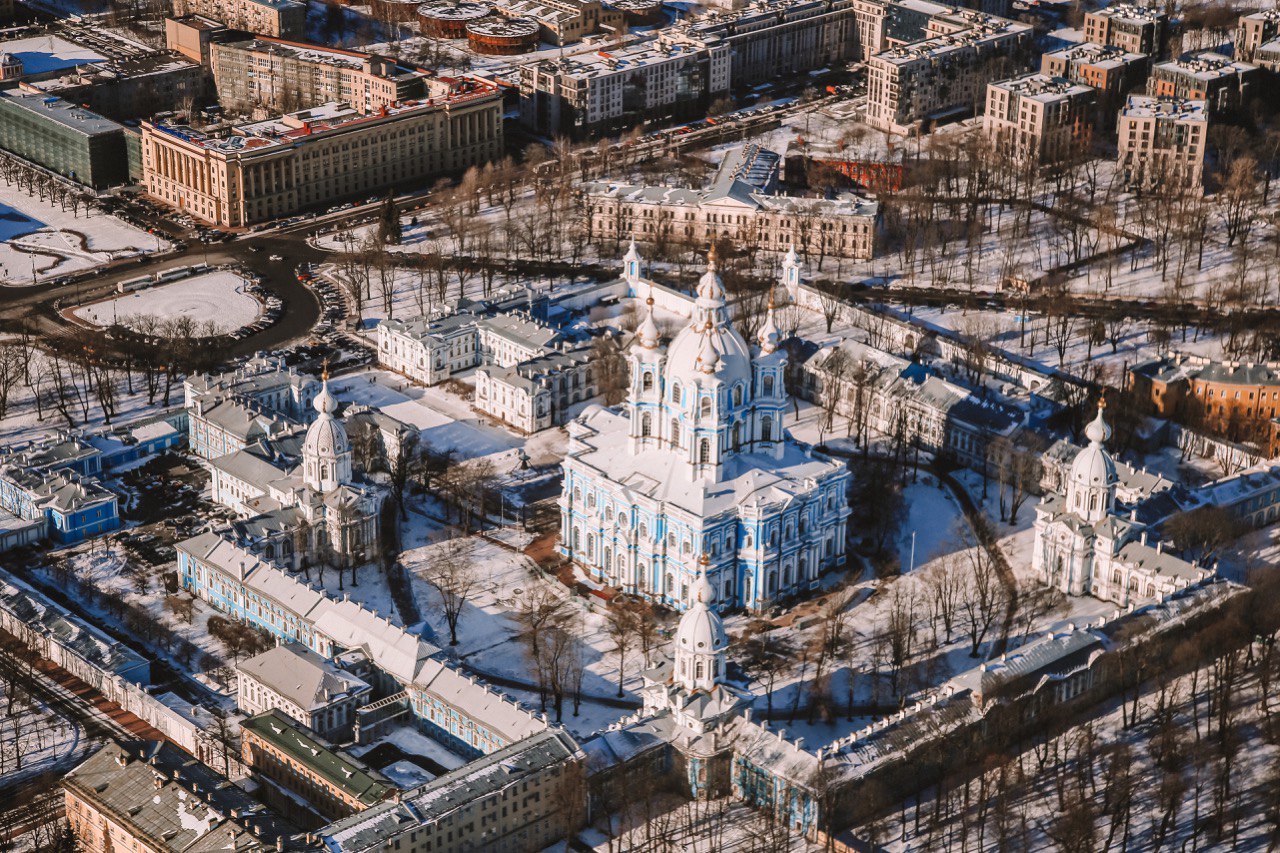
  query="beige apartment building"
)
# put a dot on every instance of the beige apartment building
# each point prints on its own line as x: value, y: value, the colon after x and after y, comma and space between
x: 1254, y: 30
x: 1221, y: 82
x: 265, y: 170
x: 1162, y: 141
x: 279, y: 18
x: 1037, y: 119
x: 914, y: 86
x: 274, y: 76
x: 1111, y: 72
x: 1136, y: 29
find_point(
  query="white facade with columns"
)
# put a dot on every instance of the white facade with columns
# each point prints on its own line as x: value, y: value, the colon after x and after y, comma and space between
x: 1088, y: 544
x: 697, y: 463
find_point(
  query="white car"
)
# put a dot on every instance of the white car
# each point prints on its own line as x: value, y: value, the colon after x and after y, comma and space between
x: 275, y: 258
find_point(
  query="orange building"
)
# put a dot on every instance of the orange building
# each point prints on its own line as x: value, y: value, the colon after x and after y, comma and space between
x: 1239, y: 400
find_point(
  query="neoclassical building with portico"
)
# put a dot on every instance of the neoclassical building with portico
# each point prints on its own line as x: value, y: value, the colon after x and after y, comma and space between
x: 697, y: 462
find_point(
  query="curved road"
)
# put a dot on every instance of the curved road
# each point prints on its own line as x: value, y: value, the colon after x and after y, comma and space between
x: 300, y: 309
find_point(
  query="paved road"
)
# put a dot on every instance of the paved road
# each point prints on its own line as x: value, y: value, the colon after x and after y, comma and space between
x: 300, y: 307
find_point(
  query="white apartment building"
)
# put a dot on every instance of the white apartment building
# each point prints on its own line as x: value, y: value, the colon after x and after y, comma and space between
x: 1038, y: 119
x: 428, y: 351
x: 536, y: 394
x: 1162, y: 140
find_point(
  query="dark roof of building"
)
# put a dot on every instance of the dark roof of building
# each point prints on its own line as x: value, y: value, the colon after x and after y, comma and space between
x: 175, y: 802
x: 340, y: 770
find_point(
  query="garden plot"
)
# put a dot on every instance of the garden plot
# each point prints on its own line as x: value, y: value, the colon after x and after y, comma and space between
x: 41, y: 238
x: 218, y: 297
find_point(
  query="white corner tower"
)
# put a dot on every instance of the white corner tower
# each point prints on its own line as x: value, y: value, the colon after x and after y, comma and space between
x: 701, y: 640
x: 326, y: 451
x: 1091, y: 485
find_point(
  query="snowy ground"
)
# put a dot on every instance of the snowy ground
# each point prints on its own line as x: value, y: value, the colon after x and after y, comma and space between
x: 40, y: 235
x: 1034, y: 789
x: 35, y: 738
x: 445, y: 421
x: 489, y: 637
x: 217, y: 297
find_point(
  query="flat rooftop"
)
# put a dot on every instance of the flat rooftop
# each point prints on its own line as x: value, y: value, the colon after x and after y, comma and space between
x: 49, y: 54
x: 1042, y: 87
x: 1131, y: 13
x: 320, y: 55
x: 71, y: 116
x: 1179, y: 109
x: 294, y: 128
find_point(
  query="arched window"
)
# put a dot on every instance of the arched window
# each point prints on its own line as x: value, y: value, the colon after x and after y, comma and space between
x: 646, y: 381
x: 1093, y: 502
x: 646, y: 425
x: 766, y: 429
x: 726, y: 593
x: 675, y: 392
x: 644, y: 530
x: 591, y: 546
x: 737, y: 436
x: 698, y: 670
x: 737, y: 395
x: 706, y: 407
x: 671, y: 583
x: 675, y: 432
x: 768, y: 386
x: 608, y: 559
x: 704, y: 451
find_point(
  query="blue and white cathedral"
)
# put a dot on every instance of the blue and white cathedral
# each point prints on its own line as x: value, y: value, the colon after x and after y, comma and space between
x: 697, y: 463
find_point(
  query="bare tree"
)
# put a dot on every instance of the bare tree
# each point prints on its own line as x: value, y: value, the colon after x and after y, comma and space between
x: 452, y: 572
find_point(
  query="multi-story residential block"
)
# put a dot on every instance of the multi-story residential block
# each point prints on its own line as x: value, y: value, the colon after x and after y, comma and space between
x: 772, y: 39
x: 742, y: 203
x: 616, y: 89
x: 307, y: 687
x: 1268, y: 56
x: 1132, y: 28
x: 1111, y: 72
x: 192, y: 36
x: 278, y: 18
x: 297, y: 764
x: 525, y: 796
x: 1039, y: 120
x: 1254, y: 30
x: 564, y: 22
x: 114, y: 77
x: 1162, y: 141
x: 306, y: 159
x: 1236, y: 399
x: 274, y: 76
x: 151, y: 796
x: 536, y: 394
x: 1223, y: 84
x: 942, y: 78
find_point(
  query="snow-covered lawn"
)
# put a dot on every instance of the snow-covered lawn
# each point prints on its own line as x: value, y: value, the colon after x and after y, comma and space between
x: 489, y: 638
x: 445, y: 421
x: 217, y: 297
x: 35, y: 738
x: 39, y: 234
